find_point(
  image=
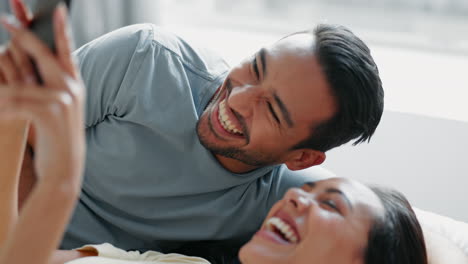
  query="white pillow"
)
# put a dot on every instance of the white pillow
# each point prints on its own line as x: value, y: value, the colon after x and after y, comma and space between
x: 446, y: 238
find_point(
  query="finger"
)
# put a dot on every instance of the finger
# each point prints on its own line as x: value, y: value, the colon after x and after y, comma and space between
x: 2, y: 79
x: 22, y: 63
x: 21, y: 11
x: 7, y: 66
x: 49, y: 67
x: 9, y: 101
x: 49, y: 104
x: 63, y: 43
x: 28, y: 110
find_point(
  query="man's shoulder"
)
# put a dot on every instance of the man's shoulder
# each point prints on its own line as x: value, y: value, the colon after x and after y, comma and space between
x: 140, y: 38
x: 195, y: 56
x: 285, y: 178
x: 125, y: 40
x: 315, y: 172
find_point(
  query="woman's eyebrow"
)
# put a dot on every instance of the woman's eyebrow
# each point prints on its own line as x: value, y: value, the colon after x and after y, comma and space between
x: 333, y: 190
x: 262, y: 55
x: 310, y: 184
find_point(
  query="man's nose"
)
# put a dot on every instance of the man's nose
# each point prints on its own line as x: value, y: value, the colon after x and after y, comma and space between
x: 243, y: 98
x: 300, y: 199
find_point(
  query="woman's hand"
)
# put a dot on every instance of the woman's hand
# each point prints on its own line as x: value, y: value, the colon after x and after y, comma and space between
x: 14, y: 64
x: 55, y: 108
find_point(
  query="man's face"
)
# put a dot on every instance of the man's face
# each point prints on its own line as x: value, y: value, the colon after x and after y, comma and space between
x: 266, y: 105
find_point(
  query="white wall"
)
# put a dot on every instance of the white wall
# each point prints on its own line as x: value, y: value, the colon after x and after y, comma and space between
x: 426, y: 158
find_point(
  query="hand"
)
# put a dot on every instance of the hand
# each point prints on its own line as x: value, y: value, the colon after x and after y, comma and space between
x: 55, y: 108
x: 14, y: 64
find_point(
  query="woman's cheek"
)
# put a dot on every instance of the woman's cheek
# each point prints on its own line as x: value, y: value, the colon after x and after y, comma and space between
x: 274, y: 209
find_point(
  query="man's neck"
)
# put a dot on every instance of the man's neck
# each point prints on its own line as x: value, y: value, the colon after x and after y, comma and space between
x: 234, y: 165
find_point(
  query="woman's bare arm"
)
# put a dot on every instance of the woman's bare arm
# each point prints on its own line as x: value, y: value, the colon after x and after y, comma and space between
x: 12, y: 145
x: 55, y: 109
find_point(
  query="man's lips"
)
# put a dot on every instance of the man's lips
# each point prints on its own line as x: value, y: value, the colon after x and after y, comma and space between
x: 224, y: 122
x: 218, y: 127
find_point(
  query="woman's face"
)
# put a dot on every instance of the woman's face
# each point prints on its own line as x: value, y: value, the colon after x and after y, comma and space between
x: 323, y: 222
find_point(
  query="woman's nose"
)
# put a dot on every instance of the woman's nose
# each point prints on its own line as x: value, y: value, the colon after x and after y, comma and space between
x: 300, y: 199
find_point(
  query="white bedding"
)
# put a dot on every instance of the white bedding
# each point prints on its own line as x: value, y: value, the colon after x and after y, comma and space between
x: 446, y: 238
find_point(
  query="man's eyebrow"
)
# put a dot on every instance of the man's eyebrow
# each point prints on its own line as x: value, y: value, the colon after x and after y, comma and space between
x: 333, y: 190
x: 283, y: 109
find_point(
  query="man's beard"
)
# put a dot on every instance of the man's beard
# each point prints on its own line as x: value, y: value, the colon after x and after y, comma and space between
x: 252, y: 158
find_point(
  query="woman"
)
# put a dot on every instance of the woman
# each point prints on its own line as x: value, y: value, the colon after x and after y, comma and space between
x: 330, y: 221
x: 55, y: 109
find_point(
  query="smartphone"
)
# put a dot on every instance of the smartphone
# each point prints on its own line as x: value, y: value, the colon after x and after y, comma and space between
x: 43, y: 26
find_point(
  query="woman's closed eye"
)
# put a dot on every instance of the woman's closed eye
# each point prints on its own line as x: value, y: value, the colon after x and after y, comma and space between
x: 332, y: 205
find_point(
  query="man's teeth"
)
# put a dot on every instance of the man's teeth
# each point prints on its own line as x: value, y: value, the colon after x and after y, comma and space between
x: 225, y: 122
x: 276, y: 224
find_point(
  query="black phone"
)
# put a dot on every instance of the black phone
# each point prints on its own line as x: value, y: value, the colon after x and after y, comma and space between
x: 42, y: 24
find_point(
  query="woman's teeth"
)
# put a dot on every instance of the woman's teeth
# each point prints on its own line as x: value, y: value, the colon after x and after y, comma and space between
x: 224, y: 120
x: 277, y: 225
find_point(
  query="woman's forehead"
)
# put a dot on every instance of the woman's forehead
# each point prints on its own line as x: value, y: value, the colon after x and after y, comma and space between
x: 360, y: 195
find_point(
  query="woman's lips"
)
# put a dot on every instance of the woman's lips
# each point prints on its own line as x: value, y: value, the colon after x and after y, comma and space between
x: 272, y: 237
x: 289, y: 220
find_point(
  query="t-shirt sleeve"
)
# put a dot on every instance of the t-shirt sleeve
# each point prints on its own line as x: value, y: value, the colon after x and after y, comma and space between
x: 109, y: 66
x: 108, y: 251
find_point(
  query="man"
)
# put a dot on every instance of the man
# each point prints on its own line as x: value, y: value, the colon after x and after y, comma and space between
x: 182, y: 148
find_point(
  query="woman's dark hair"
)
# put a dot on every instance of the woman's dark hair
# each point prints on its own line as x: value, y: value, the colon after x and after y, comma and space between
x: 354, y: 80
x: 396, y: 237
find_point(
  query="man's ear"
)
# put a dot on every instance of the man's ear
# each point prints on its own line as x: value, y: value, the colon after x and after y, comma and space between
x: 305, y: 158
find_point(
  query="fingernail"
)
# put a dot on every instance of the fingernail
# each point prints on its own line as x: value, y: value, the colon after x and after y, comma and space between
x: 10, y: 22
x: 62, y: 10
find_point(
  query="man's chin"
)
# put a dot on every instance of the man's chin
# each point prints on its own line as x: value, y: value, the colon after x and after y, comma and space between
x: 250, y: 159
x: 239, y: 156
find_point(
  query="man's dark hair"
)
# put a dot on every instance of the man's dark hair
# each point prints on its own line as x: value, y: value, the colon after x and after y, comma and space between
x: 354, y: 80
x: 397, y: 237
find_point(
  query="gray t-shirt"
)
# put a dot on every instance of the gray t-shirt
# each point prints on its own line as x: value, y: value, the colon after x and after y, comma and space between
x: 148, y: 181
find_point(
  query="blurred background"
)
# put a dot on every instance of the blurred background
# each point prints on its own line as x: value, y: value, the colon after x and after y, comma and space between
x: 421, y: 47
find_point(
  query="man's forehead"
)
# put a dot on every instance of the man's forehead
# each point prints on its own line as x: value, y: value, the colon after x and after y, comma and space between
x: 299, y: 42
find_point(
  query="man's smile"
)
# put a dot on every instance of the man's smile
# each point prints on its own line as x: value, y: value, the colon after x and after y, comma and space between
x: 227, y: 121
x: 224, y: 122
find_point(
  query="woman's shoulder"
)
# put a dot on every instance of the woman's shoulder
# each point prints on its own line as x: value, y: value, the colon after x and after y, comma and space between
x: 109, y: 254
